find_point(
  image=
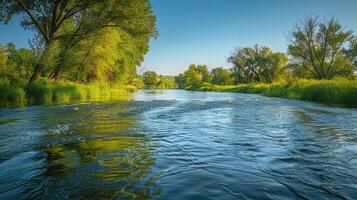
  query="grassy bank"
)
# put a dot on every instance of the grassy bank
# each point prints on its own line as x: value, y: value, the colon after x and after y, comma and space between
x: 339, y: 91
x: 14, y: 93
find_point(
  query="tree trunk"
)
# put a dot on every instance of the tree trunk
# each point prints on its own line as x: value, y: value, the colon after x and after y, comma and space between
x: 55, y: 73
x: 36, y: 74
x: 40, y: 66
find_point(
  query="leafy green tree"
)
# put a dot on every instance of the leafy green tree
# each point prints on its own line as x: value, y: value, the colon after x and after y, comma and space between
x: 316, y: 46
x: 21, y: 62
x: 193, y: 77
x: 257, y: 64
x: 273, y: 66
x: 180, y: 81
x: 69, y: 22
x: 204, y: 72
x: 151, y: 79
x: 221, y: 76
x: 166, y: 82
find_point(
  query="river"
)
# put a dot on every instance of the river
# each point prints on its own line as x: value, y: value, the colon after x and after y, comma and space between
x: 175, y: 144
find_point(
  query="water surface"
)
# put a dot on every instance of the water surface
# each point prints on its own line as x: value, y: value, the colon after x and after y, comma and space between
x: 174, y: 144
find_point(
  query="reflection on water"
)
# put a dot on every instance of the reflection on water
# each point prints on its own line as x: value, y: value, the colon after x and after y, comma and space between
x: 172, y: 144
x: 78, y: 151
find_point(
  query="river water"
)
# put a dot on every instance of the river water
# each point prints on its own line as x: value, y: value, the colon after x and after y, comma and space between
x: 175, y: 144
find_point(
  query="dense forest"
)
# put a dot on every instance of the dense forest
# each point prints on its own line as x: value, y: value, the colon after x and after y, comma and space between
x: 86, y: 41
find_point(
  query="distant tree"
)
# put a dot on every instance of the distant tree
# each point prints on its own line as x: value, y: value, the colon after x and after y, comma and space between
x: 221, y: 76
x: 273, y: 66
x: 316, y: 46
x: 166, y: 82
x: 193, y: 77
x: 205, y: 74
x: 257, y: 64
x: 151, y: 79
x: 240, y: 59
x: 180, y: 81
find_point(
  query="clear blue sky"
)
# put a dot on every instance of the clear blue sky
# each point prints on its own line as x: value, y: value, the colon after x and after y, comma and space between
x: 206, y: 31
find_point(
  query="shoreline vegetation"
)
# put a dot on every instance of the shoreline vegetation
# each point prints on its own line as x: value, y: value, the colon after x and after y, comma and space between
x: 48, y: 92
x: 320, y: 65
x: 340, y: 92
x: 75, y: 58
x: 80, y: 50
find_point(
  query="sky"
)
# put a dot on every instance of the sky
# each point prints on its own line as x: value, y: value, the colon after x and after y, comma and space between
x: 207, y: 31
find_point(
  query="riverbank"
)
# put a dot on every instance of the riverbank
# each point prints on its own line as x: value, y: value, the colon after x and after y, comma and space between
x: 339, y: 91
x: 15, y: 94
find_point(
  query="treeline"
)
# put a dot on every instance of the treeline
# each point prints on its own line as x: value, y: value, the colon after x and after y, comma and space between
x: 81, y: 41
x: 154, y: 81
x: 318, y: 49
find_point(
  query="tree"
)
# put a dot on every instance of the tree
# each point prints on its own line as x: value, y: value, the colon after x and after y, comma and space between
x: 166, y: 82
x: 20, y: 61
x: 151, y: 79
x: 204, y: 72
x: 273, y: 66
x: 257, y: 64
x: 193, y: 77
x: 316, y: 46
x: 180, y: 81
x: 71, y: 21
x: 221, y: 76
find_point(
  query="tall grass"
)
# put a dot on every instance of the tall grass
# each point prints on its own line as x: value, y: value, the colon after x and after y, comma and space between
x: 338, y: 91
x: 45, y: 92
x: 11, y: 94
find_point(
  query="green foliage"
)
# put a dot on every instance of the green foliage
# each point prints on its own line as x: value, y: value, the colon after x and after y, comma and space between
x: 3, y: 58
x: 351, y: 52
x: 154, y: 81
x: 316, y: 46
x: 44, y: 92
x: 195, y: 76
x: 257, y: 64
x: 137, y: 82
x: 65, y: 27
x: 336, y: 91
x: 180, y: 81
x: 221, y: 76
x: 151, y: 79
x: 97, y: 43
x: 21, y: 62
x: 204, y: 73
x: 11, y: 94
x: 166, y: 82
